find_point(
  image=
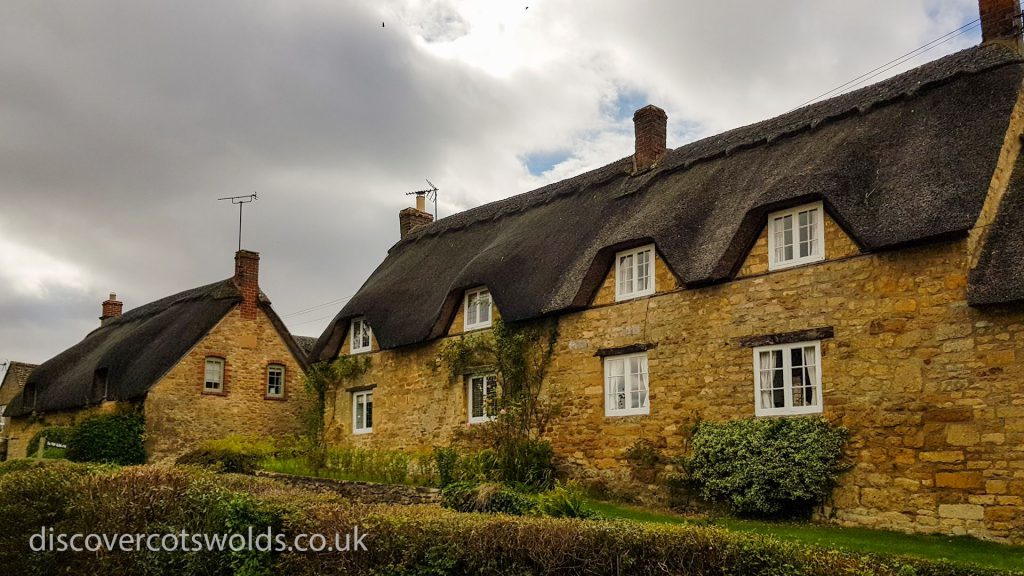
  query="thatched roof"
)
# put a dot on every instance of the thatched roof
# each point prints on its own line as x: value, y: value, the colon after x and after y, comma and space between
x: 136, y: 349
x: 306, y: 343
x: 999, y: 276
x: 907, y: 160
x: 14, y: 380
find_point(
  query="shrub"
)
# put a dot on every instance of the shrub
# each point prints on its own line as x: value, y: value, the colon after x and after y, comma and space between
x: 446, y: 459
x: 528, y: 462
x: 115, y: 438
x: 58, y: 434
x: 236, y: 454
x: 491, y: 497
x: 766, y: 466
x: 565, y: 501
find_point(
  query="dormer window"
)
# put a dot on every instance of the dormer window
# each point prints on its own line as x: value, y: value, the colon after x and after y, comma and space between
x: 361, y: 336
x: 634, y: 273
x: 478, y: 309
x: 796, y: 236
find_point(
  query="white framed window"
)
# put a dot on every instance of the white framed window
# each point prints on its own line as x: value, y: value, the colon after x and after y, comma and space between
x: 361, y: 336
x: 787, y: 379
x: 275, y: 381
x: 362, y: 412
x: 478, y: 309
x: 482, y: 395
x: 796, y: 236
x: 213, y: 381
x: 3, y: 421
x: 634, y: 273
x: 626, y: 385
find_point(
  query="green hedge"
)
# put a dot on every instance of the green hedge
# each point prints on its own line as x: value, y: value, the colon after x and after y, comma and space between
x: 236, y: 454
x: 766, y: 466
x: 411, y: 540
x: 58, y: 434
x: 115, y: 438
x: 491, y: 498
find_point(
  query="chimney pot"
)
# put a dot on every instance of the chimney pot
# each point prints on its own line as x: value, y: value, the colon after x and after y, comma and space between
x: 247, y: 278
x: 1000, y: 22
x: 650, y: 128
x: 409, y: 219
x: 111, y: 309
x: 421, y: 202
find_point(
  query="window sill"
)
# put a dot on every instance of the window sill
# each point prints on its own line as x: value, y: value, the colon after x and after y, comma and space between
x: 360, y: 351
x: 628, y: 412
x: 275, y: 398
x: 214, y: 393
x: 361, y: 432
x: 470, y: 328
x: 799, y: 411
x: 633, y: 296
x: 775, y: 267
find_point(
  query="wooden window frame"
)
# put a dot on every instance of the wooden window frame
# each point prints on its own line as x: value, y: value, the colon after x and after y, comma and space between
x: 479, y: 324
x: 355, y: 409
x: 485, y: 376
x: 223, y: 390
x: 644, y: 409
x: 633, y: 268
x: 788, y: 409
x: 818, y: 237
x: 266, y: 388
x: 360, y: 349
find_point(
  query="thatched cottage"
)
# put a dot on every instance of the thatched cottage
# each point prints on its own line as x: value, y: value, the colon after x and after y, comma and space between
x: 204, y: 363
x: 861, y: 258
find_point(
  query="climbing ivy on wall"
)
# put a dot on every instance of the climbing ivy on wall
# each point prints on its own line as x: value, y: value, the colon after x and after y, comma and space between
x: 321, y: 380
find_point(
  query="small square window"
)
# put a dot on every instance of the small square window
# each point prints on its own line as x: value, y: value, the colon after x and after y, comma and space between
x: 634, y: 273
x: 482, y: 393
x: 478, y: 309
x: 626, y: 385
x: 796, y: 236
x: 787, y: 379
x: 275, y: 381
x: 362, y: 412
x: 214, y: 376
x: 361, y: 337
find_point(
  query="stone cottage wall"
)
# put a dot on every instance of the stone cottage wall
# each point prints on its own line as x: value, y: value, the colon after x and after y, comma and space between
x: 179, y: 415
x: 931, y: 389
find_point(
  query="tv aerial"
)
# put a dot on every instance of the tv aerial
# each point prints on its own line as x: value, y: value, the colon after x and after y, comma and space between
x: 241, y: 201
x: 423, y: 195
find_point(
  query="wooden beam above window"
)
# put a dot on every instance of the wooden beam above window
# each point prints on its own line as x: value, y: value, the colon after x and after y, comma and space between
x: 788, y: 337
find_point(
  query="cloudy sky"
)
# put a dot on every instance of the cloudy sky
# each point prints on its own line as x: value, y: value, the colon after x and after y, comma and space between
x: 121, y: 123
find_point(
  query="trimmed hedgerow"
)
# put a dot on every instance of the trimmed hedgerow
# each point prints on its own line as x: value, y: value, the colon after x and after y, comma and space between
x: 115, y: 438
x: 399, y: 540
x: 766, y: 467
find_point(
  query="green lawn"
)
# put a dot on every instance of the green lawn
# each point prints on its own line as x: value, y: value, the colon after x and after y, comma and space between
x: 960, y: 550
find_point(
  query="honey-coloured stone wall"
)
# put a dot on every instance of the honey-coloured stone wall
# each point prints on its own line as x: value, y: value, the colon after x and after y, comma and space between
x: 931, y: 389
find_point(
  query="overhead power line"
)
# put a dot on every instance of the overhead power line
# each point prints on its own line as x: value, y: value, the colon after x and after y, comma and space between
x: 317, y: 307
x: 874, y: 72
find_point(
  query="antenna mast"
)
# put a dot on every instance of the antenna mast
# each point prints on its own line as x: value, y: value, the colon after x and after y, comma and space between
x: 430, y: 193
x: 240, y: 200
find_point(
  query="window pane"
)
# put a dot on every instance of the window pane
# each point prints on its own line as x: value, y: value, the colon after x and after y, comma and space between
x: 477, y: 397
x: 491, y: 395
x: 359, y: 412
x: 368, y: 407
x: 626, y: 274
x: 643, y: 270
x: 471, y: 311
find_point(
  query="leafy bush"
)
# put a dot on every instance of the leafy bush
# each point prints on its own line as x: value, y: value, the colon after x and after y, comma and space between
x: 446, y: 459
x: 528, y: 462
x: 115, y: 438
x: 57, y: 434
x: 237, y: 454
x: 566, y: 500
x: 766, y: 466
x: 491, y: 497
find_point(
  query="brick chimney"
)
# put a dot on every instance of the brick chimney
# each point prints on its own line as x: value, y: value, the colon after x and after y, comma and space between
x: 409, y: 219
x: 247, y: 278
x: 111, y: 309
x: 649, y: 125
x: 1000, y: 22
